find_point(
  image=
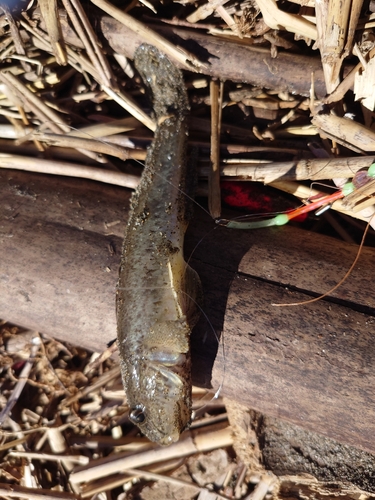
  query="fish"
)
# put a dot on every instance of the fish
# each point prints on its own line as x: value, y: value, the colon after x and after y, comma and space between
x: 158, y: 292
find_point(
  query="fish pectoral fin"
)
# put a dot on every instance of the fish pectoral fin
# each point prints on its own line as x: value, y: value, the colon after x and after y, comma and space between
x: 171, y: 379
x: 193, y: 296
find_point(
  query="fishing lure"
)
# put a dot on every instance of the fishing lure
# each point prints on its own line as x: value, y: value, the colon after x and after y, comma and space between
x: 281, y: 219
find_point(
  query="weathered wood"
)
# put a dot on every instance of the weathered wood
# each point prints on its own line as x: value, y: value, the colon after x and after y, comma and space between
x: 224, y: 59
x: 231, y: 61
x: 309, y: 365
x: 60, y: 243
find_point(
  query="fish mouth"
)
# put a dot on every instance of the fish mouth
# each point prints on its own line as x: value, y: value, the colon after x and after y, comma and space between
x: 163, y: 438
x: 169, y: 439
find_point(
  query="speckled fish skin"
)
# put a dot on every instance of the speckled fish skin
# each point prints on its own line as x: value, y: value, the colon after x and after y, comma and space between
x: 157, y: 291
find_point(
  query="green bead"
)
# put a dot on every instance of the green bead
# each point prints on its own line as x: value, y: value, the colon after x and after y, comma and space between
x: 347, y: 188
x: 371, y: 170
x: 281, y: 219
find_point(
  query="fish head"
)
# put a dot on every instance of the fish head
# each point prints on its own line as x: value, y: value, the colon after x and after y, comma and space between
x: 158, y: 388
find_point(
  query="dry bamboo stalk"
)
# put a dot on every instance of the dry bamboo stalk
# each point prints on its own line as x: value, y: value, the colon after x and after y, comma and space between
x: 13, y: 443
x: 361, y: 198
x: 123, y: 142
x: 11, y: 114
x: 49, y: 12
x: 228, y: 19
x: 80, y: 63
x: 89, y: 490
x: 105, y: 129
x: 104, y: 77
x: 315, y: 169
x: 356, y: 8
x: 122, y: 461
x: 97, y: 57
x: 297, y: 130
x: 80, y: 143
x: 21, y: 380
x: 276, y: 18
x: 188, y: 60
x: 15, y: 39
x: 364, y: 85
x: 125, y: 102
x: 95, y: 442
x: 14, y: 491
x: 349, y: 133
x: 204, y: 11
x: 77, y: 459
x: 332, y: 24
x: 298, y: 170
x: 71, y: 156
x: 214, y: 194
x: 270, y: 103
x: 68, y: 169
x: 336, y: 23
x: 339, y: 92
x: 338, y: 16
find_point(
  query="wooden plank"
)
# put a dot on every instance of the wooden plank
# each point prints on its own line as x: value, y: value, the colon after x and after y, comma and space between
x: 60, y: 243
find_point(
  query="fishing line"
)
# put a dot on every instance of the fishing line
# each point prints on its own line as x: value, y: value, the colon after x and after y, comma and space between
x: 217, y: 393
x: 347, y: 274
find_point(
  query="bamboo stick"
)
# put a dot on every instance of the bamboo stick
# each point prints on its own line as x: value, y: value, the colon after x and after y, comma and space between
x: 214, y: 195
x: 14, y: 491
x: 297, y: 170
x: 361, y: 198
x: 274, y: 18
x: 63, y: 168
x: 188, y: 60
x: 122, y: 461
x: 48, y: 9
x: 98, y: 146
x: 88, y: 38
x: 349, y: 133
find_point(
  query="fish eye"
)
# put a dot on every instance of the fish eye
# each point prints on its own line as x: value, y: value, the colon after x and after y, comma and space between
x: 137, y: 415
